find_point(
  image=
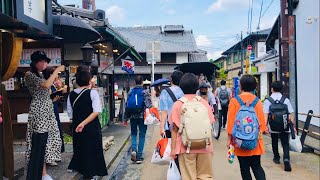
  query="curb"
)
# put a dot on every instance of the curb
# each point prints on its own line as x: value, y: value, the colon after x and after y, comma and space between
x: 77, y: 176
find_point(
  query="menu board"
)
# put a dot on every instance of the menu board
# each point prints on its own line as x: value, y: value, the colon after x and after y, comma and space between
x: 9, y: 84
x: 53, y: 53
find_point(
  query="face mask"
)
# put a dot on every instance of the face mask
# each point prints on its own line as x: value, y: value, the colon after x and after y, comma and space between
x: 203, y: 93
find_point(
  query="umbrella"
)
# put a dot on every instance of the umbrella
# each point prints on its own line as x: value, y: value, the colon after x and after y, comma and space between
x: 159, y: 82
x: 207, y: 68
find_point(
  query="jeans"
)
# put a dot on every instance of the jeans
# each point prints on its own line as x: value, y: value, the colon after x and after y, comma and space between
x: 135, y: 125
x: 284, y: 137
x: 253, y: 162
x: 223, y: 115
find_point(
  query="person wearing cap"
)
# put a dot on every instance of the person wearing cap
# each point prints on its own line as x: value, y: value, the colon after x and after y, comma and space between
x: 43, y: 137
x: 208, y: 96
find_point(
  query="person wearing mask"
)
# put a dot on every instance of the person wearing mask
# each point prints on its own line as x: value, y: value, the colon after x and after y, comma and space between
x: 224, y: 94
x: 208, y: 96
x: 43, y: 137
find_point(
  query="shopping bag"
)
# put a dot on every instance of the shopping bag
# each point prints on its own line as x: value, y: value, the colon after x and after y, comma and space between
x: 151, y: 116
x: 173, y: 171
x: 161, y: 154
x: 295, y: 144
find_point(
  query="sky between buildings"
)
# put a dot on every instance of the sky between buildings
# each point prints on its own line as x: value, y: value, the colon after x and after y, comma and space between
x: 216, y: 24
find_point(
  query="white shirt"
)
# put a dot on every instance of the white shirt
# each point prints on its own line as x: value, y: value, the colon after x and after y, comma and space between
x: 266, y: 105
x: 276, y: 96
x: 96, y: 104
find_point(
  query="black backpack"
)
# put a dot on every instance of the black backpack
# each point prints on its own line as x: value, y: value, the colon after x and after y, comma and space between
x: 278, y: 115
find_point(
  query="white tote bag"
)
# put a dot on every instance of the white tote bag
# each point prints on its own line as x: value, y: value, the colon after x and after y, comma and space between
x: 173, y: 171
x: 295, y: 144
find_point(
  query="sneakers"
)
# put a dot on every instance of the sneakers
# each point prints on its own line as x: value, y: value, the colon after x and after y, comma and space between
x: 47, y: 177
x: 287, y: 166
x: 134, y: 156
x: 140, y: 160
x: 53, y: 164
x: 276, y: 160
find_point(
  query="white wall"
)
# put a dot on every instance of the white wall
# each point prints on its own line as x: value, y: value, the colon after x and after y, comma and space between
x: 263, y: 85
x: 182, y: 58
x: 308, y: 66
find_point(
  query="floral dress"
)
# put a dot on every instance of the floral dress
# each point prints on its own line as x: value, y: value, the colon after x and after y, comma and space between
x: 42, y: 119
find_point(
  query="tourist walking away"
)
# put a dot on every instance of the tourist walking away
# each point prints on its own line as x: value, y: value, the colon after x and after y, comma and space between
x: 83, y: 107
x: 279, y: 112
x: 208, y: 96
x: 43, y: 137
x: 224, y: 94
x: 245, y: 126
x: 138, y: 100
x: 191, y: 118
x: 167, y: 97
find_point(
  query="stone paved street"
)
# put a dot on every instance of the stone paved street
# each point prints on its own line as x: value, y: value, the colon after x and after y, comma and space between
x: 305, y: 165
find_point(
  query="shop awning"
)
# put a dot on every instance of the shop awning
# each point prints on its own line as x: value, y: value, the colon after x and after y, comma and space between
x: 109, y: 34
x: 73, y: 30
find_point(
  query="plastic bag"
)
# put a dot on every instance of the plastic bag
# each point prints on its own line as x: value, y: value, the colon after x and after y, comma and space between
x: 173, y: 171
x: 295, y: 144
x: 151, y: 116
x: 161, y: 154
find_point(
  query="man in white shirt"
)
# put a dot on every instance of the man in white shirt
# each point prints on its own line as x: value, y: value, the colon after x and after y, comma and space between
x: 276, y: 88
x: 224, y: 95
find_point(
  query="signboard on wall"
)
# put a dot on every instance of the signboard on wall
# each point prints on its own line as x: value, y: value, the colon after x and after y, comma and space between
x: 261, y: 49
x: 35, y: 9
x: 53, y: 53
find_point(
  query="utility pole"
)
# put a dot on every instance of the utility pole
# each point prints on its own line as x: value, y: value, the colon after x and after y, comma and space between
x: 288, y: 63
x: 284, y: 47
x: 241, y: 54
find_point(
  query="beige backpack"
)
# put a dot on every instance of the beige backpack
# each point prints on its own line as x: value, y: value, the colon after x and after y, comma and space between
x: 195, y: 127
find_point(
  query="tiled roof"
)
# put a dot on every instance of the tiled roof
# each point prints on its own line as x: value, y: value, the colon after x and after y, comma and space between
x: 169, y: 42
x: 198, y: 57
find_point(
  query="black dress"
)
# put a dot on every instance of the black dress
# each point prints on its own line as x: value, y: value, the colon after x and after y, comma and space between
x: 88, y: 156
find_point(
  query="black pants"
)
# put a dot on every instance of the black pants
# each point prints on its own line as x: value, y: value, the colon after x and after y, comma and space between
x: 284, y: 137
x: 253, y: 162
x: 223, y: 115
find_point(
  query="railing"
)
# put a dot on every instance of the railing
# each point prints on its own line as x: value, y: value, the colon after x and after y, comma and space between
x: 305, y: 130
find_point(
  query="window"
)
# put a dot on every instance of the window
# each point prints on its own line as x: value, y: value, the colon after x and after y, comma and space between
x: 229, y: 60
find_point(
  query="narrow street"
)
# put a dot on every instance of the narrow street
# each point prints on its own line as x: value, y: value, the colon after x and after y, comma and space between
x: 304, y: 165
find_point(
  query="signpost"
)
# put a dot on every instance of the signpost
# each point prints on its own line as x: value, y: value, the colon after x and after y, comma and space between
x: 248, y: 56
x: 153, y: 55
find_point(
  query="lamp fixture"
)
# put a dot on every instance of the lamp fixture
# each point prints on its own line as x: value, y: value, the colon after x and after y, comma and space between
x: 115, y: 50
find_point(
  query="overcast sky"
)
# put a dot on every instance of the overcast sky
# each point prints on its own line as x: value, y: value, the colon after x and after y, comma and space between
x: 216, y: 24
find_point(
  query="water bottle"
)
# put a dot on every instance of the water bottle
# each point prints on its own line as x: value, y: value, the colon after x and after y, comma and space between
x: 231, y: 154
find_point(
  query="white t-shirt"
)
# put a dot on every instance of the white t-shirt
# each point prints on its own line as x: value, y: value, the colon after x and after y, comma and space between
x: 276, y: 96
x: 96, y: 104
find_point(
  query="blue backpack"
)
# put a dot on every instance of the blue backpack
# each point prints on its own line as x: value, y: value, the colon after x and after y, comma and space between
x: 135, y: 100
x: 245, y: 130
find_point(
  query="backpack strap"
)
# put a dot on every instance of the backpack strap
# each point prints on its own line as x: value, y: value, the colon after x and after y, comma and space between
x: 198, y: 98
x: 183, y: 99
x: 240, y: 101
x: 254, y: 102
x: 173, y: 97
x: 271, y: 100
x: 283, y: 98
x: 74, y: 102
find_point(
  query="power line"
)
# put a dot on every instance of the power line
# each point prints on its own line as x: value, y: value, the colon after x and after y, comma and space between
x: 251, y: 16
x: 258, y: 27
x: 248, y: 15
x: 267, y: 8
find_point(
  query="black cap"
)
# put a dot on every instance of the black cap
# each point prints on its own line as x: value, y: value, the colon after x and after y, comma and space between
x: 203, y: 85
x: 39, y: 55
